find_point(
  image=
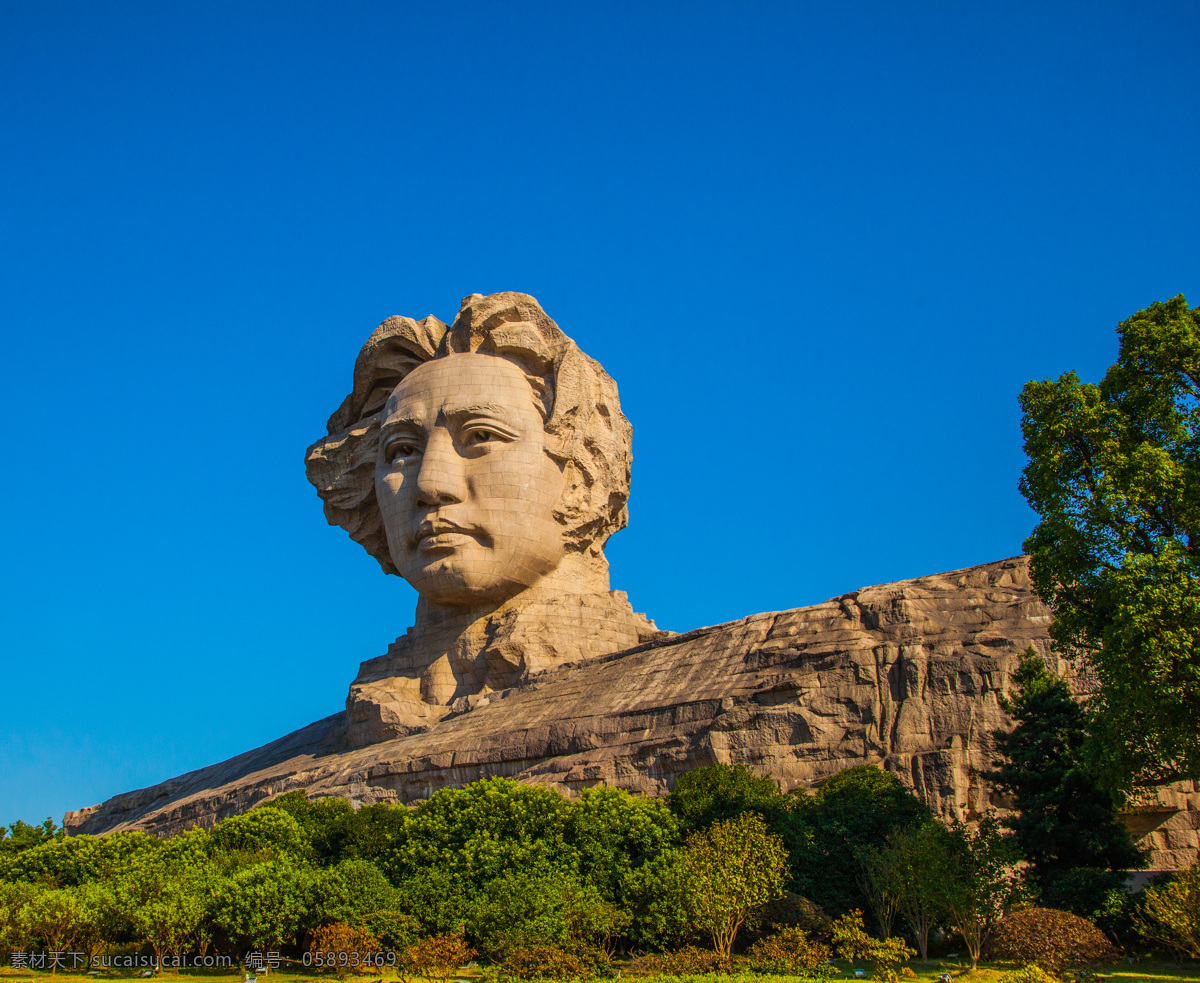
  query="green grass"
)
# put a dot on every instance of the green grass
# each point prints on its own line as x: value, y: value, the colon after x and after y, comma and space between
x: 926, y: 971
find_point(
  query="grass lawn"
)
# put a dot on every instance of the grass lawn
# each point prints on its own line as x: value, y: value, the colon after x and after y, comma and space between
x: 1122, y: 972
x: 926, y: 971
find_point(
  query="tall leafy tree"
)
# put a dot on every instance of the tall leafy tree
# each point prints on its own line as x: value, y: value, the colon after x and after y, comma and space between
x: 731, y: 868
x: 615, y: 833
x: 914, y: 866
x: 982, y: 882
x: 713, y: 793
x: 22, y: 836
x: 485, y: 830
x: 15, y: 902
x: 1114, y: 474
x: 266, y: 905
x: 829, y: 832
x: 1067, y: 826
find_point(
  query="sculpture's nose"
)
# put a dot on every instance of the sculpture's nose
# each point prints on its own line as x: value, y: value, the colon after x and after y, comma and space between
x: 440, y: 480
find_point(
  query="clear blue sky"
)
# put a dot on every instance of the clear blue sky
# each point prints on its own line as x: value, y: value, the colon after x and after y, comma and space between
x: 820, y: 246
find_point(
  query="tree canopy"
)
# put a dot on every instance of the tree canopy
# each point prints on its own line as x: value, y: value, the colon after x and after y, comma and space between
x: 1114, y: 474
x: 1067, y: 822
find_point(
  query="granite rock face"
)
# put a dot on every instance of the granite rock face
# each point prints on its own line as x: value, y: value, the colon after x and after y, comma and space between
x: 905, y: 675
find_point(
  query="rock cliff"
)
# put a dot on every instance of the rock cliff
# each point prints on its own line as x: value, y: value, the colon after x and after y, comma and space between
x: 906, y: 675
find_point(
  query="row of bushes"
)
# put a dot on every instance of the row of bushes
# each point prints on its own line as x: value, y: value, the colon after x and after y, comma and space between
x: 520, y: 872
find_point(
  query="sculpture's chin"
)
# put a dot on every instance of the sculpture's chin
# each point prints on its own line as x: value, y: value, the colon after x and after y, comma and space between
x: 462, y: 584
x: 471, y: 576
x: 470, y: 595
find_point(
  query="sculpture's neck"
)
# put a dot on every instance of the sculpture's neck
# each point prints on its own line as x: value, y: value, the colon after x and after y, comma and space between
x: 568, y: 615
x: 454, y: 655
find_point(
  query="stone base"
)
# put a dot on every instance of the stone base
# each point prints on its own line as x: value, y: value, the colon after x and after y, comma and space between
x: 907, y: 676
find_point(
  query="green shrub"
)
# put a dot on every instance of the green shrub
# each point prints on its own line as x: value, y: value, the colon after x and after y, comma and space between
x: 543, y: 962
x: 395, y: 930
x: 693, y: 961
x: 1170, y: 913
x: 790, y: 910
x: 1052, y: 939
x: 884, y: 955
x: 791, y: 952
x: 1029, y: 974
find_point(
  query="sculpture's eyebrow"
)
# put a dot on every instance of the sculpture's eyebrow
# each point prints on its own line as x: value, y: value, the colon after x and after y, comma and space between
x: 401, y: 423
x: 494, y: 410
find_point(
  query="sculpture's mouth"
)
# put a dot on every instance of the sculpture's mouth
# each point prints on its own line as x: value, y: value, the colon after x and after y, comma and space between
x: 438, y: 533
x: 444, y: 541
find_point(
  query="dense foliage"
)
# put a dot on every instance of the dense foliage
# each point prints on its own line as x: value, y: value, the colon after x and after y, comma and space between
x: 535, y: 884
x: 885, y: 955
x: 851, y: 812
x: 1051, y: 939
x: 1170, y: 913
x: 791, y: 951
x: 21, y: 836
x: 1114, y: 474
x: 1067, y: 827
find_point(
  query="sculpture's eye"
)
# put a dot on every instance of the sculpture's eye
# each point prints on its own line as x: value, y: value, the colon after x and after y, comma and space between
x: 481, y: 437
x: 399, y: 450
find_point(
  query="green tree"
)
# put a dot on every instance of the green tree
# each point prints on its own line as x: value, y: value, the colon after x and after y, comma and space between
x: 15, y: 900
x: 731, y: 868
x: 266, y: 905
x: 1114, y: 474
x: 915, y: 864
x: 717, y: 792
x: 482, y: 831
x: 523, y: 908
x: 439, y: 900
x: 1170, y: 913
x: 982, y: 883
x: 95, y: 921
x: 22, y: 836
x: 261, y: 833
x: 164, y: 900
x: 349, y: 893
x: 878, y: 884
x: 79, y: 859
x: 339, y: 832
x: 656, y: 897
x: 1067, y: 827
x: 51, y: 916
x: 324, y: 821
x: 614, y: 833
x: 856, y: 809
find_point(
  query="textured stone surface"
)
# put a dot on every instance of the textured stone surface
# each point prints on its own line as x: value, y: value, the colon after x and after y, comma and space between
x: 906, y: 675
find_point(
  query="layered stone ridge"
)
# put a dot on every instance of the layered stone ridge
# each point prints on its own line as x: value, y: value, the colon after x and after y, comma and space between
x: 905, y: 675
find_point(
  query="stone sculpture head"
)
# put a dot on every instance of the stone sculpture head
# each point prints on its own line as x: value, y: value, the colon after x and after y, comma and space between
x: 475, y: 460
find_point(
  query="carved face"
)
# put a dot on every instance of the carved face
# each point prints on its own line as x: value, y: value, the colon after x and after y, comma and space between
x: 464, y: 482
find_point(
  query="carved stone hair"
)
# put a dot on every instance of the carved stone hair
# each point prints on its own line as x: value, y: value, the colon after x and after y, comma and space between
x: 586, y: 432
